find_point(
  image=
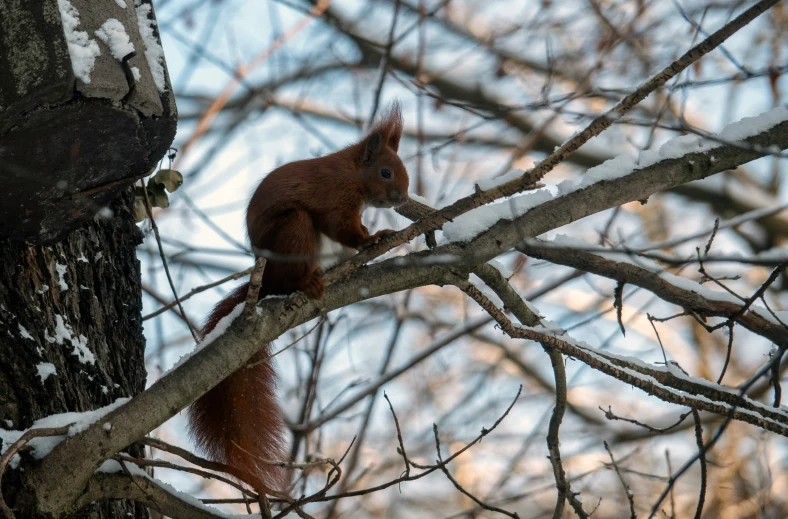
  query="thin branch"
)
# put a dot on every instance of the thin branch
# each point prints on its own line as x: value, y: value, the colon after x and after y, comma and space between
x: 457, y: 484
x: 627, y: 490
x: 708, y: 446
x: 618, y: 303
x: 149, y: 210
x: 384, y: 63
x: 140, y: 488
x: 702, y: 454
x: 191, y: 458
x: 778, y: 390
x: 523, y: 313
x: 611, y: 416
x: 254, y: 287
x: 399, y: 437
x: 652, y: 281
x: 245, y: 69
x: 196, y: 291
x: 145, y: 462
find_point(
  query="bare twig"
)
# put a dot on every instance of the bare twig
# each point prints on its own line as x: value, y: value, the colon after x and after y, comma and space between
x: 197, y: 290
x: 618, y: 303
x: 243, y: 70
x: 778, y: 390
x: 557, y: 362
x: 611, y: 416
x: 672, y: 494
x: 254, y: 287
x: 399, y: 437
x: 457, y: 484
x: 144, y: 462
x: 149, y: 210
x: 627, y: 490
x: 708, y: 446
x: 702, y: 455
x: 384, y: 63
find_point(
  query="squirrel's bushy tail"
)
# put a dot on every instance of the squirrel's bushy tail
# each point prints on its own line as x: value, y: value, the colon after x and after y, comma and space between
x: 239, y: 422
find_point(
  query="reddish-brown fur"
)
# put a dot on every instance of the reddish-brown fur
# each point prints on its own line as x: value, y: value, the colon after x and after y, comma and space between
x: 239, y: 421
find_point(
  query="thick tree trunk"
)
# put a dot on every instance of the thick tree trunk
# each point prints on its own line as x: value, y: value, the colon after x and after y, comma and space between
x: 86, y: 108
x: 76, y: 307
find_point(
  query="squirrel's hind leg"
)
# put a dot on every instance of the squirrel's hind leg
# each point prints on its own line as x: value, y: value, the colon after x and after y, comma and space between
x: 296, y: 245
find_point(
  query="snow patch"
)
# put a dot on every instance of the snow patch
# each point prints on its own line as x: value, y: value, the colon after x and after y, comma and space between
x: 63, y: 333
x: 417, y: 198
x: 774, y: 254
x: 114, y: 35
x: 42, y: 446
x: 121, y: 3
x: 497, y: 181
x: 749, y: 126
x: 608, y: 358
x: 62, y: 270
x: 153, y: 51
x: 45, y: 369
x: 112, y: 467
x: 505, y: 271
x: 80, y: 345
x: 220, y: 328
x: 24, y: 333
x: 705, y: 292
x: 470, y: 224
x: 82, y: 49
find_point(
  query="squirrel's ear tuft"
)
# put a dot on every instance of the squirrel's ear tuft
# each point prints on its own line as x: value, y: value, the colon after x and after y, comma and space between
x: 393, y: 122
x: 390, y: 126
x: 371, y: 147
x: 386, y: 131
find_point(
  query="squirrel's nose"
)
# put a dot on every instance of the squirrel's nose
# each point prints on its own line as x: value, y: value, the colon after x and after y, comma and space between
x: 398, y: 198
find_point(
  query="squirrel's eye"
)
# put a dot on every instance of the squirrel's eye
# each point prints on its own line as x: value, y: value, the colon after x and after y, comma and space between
x: 386, y: 173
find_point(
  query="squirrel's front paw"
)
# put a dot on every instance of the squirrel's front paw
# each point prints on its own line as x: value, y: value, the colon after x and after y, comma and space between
x: 375, y: 238
x: 313, y: 287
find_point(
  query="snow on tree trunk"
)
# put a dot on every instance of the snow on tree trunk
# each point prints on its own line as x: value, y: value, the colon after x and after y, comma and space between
x: 86, y: 107
x: 71, y: 332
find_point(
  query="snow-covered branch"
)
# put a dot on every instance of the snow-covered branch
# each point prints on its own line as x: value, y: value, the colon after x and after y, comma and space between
x: 130, y: 482
x: 667, y: 383
x: 81, y: 455
x: 693, y: 297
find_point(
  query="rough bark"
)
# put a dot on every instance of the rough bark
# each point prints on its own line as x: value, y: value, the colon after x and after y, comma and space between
x: 102, y: 303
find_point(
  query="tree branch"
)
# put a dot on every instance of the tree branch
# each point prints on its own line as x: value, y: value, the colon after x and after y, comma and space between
x: 63, y: 474
x: 146, y: 491
x: 628, y: 273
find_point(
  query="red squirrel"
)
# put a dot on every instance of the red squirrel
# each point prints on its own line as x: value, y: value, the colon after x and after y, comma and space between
x: 294, y: 210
